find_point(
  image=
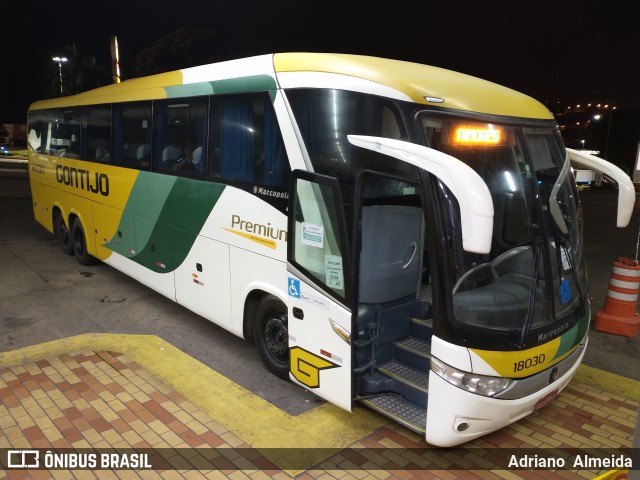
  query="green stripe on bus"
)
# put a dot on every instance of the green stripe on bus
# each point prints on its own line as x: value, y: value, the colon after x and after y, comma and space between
x: 192, y: 90
x: 165, y: 214
x: 149, y: 194
x: 574, y: 336
x: 254, y: 83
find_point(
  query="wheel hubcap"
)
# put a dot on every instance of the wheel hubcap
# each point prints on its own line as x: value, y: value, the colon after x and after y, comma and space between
x: 276, y: 337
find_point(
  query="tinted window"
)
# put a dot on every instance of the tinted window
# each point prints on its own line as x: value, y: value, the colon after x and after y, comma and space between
x: 180, y: 134
x: 96, y: 137
x: 39, y: 135
x: 132, y: 134
x: 65, y: 134
x: 246, y: 148
x: 326, y: 117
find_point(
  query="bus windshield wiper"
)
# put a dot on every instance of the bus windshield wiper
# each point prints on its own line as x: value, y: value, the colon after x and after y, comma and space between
x: 537, y: 249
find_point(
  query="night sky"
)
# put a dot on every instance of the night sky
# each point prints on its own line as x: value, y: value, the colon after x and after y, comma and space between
x: 554, y: 50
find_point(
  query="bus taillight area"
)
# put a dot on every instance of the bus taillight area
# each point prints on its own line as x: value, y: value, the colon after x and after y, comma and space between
x: 453, y: 418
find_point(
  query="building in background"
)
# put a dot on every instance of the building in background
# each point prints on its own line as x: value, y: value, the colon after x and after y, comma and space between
x: 604, y: 129
x: 13, y: 134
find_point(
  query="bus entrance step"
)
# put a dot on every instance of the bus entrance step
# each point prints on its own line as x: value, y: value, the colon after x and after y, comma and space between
x: 422, y: 328
x: 399, y: 410
x: 414, y: 352
x: 418, y: 379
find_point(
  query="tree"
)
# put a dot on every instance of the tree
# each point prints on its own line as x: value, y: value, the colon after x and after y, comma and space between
x: 180, y: 49
x: 80, y: 72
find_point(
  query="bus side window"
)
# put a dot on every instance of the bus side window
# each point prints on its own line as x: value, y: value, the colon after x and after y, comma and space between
x: 132, y: 135
x: 65, y: 134
x: 40, y: 123
x: 97, y: 124
x: 246, y: 146
x: 236, y: 139
x: 180, y: 130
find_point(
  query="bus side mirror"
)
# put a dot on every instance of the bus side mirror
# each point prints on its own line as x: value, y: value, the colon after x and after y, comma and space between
x: 626, y: 190
x: 472, y: 193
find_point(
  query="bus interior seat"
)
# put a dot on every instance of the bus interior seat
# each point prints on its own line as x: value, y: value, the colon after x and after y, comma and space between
x: 391, y: 255
x: 390, y: 269
x: 142, y: 153
x: 198, y: 161
x: 171, y: 153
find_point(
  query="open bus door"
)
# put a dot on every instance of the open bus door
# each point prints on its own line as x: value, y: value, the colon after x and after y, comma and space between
x: 320, y: 291
x: 320, y: 316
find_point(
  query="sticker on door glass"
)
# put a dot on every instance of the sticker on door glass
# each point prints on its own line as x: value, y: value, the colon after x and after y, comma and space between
x: 333, y: 271
x: 564, y: 255
x: 566, y: 263
x: 313, y: 235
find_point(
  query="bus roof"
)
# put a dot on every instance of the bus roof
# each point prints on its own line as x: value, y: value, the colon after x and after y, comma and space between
x: 457, y: 90
x: 413, y: 82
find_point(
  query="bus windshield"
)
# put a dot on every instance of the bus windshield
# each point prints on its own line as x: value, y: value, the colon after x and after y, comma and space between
x: 531, y: 286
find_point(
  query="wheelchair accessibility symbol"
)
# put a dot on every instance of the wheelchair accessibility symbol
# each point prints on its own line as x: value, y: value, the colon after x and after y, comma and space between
x: 294, y: 287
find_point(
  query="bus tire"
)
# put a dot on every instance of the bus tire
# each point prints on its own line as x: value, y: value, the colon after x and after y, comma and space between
x: 271, y: 335
x: 79, y: 242
x: 62, y: 233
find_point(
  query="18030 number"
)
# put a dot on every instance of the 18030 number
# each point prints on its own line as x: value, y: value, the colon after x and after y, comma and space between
x: 528, y: 363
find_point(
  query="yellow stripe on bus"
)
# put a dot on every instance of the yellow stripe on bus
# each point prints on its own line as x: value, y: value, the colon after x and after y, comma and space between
x: 523, y: 363
x: 458, y: 91
x: 144, y: 88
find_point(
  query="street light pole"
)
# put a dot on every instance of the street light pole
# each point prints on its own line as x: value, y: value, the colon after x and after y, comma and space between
x: 60, y: 60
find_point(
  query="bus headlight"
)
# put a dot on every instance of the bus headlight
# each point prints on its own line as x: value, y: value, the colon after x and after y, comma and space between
x: 471, y: 382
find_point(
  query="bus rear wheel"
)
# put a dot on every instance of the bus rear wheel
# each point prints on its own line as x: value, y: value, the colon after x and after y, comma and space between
x: 62, y: 233
x: 271, y: 335
x: 79, y: 242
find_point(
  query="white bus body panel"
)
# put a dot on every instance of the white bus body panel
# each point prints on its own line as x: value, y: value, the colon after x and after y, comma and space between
x: 206, y: 291
x: 243, y: 67
x: 253, y: 272
x: 163, y: 283
x: 242, y: 220
x: 288, y: 132
x: 246, y: 225
x: 323, y: 360
x: 454, y: 355
x: 449, y: 407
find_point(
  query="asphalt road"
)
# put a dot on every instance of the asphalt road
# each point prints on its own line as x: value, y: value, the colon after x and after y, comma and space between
x: 46, y: 295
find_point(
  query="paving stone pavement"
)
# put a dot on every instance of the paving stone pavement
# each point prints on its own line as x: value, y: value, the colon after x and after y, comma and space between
x: 105, y: 400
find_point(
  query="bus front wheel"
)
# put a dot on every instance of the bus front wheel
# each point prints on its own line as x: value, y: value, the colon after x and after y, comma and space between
x: 271, y: 335
x: 62, y: 233
x: 79, y: 242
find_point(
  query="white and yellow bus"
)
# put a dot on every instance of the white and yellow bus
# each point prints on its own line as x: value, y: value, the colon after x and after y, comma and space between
x: 388, y: 233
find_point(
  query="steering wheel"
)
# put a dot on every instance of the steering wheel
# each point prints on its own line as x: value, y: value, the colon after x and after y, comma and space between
x: 471, y: 271
x: 509, y: 254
